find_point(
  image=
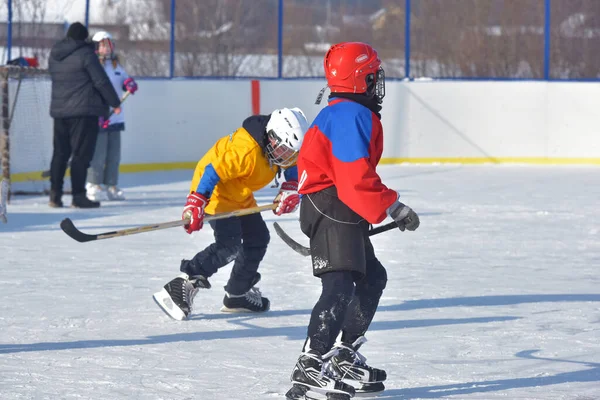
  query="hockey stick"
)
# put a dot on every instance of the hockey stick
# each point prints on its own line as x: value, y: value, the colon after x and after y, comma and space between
x: 69, y: 228
x: 4, y: 186
x: 46, y: 174
x: 305, y: 251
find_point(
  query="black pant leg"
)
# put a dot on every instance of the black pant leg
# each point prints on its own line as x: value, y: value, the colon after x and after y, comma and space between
x: 60, y: 155
x: 225, y: 249
x: 84, y: 133
x: 328, y: 314
x: 255, y: 239
x: 366, y: 297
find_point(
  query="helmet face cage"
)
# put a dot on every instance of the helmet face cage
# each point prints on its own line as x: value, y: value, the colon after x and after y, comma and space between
x: 278, y: 152
x: 376, y: 85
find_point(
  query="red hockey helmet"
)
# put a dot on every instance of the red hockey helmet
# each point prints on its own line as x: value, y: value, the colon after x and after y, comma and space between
x: 354, y: 67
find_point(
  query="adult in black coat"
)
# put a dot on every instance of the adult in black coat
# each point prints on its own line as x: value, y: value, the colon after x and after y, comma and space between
x: 81, y: 93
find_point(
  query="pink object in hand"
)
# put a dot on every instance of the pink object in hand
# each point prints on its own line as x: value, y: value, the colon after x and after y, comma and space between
x: 130, y: 85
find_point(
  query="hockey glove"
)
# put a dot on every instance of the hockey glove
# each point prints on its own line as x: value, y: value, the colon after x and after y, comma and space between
x: 288, y: 198
x: 194, y: 210
x: 404, y: 216
x: 103, y: 123
x: 130, y: 85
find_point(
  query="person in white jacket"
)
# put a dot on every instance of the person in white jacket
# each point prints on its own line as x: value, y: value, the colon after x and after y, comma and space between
x: 103, y: 174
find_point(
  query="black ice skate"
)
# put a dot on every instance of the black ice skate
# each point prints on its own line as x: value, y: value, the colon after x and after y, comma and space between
x: 251, y: 301
x: 81, y: 201
x: 311, y: 381
x: 177, y: 296
x: 349, y: 366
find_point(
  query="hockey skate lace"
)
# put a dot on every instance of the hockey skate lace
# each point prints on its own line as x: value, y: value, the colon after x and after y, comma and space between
x: 330, y: 370
x: 189, y: 292
x: 359, y: 358
x: 254, y: 296
x: 326, y: 368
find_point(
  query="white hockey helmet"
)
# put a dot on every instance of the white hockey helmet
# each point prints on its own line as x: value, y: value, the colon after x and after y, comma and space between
x: 285, y: 132
x: 103, y: 35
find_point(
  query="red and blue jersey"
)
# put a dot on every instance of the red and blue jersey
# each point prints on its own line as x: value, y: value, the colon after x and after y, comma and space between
x: 342, y: 148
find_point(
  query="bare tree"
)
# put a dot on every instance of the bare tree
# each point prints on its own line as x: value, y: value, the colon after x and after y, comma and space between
x: 143, y: 43
x: 33, y: 34
x: 215, y: 37
x: 449, y: 38
x: 575, y: 39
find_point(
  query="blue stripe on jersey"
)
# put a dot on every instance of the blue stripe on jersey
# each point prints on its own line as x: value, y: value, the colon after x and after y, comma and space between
x: 208, y: 181
x: 348, y: 126
x: 291, y: 174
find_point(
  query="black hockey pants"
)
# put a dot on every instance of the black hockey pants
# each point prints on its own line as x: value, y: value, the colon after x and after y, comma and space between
x: 243, y: 239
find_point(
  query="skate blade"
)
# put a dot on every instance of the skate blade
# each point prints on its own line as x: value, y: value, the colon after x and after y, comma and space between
x: 163, y: 300
x: 314, y: 393
x: 301, y: 392
x: 240, y: 310
x: 369, y: 390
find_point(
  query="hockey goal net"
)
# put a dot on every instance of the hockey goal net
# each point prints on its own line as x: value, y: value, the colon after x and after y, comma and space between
x: 26, y: 131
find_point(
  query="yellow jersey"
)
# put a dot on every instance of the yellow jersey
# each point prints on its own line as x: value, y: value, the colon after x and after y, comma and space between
x: 234, y: 168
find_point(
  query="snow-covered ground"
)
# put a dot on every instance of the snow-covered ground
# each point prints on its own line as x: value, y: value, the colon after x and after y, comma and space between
x: 496, y: 296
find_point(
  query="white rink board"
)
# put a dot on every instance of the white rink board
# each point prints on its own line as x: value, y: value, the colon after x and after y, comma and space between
x: 420, y: 119
x: 175, y: 121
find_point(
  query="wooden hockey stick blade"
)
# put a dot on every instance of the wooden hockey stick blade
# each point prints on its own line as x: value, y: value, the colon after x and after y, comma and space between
x: 71, y: 230
x: 305, y: 251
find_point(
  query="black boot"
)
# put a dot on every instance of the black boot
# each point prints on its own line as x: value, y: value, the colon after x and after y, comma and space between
x: 309, y: 376
x: 251, y: 301
x: 349, y: 366
x: 81, y: 201
x: 177, y: 297
x: 55, y: 199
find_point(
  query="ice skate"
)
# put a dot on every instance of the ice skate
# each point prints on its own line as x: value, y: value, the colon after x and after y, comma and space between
x: 348, y: 365
x: 311, y: 381
x: 251, y: 301
x: 177, y: 297
x: 115, y: 194
x: 95, y: 192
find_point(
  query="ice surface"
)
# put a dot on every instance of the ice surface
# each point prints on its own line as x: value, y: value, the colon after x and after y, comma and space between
x: 497, y: 295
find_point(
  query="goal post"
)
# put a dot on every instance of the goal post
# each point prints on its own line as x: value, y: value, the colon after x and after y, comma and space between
x: 26, y: 129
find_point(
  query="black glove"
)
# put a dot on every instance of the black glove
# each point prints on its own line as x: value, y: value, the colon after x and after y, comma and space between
x: 404, y: 216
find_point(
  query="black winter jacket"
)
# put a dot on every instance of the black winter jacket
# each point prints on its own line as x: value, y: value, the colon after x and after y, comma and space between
x: 80, y: 86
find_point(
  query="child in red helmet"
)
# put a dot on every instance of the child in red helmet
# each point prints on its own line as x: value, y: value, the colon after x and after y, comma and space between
x: 342, y: 196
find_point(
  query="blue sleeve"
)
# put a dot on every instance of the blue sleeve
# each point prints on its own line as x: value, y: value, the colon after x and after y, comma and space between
x: 348, y: 126
x: 208, y: 181
x: 291, y: 174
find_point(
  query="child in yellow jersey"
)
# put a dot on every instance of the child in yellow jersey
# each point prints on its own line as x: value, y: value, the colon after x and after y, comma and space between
x: 224, y: 180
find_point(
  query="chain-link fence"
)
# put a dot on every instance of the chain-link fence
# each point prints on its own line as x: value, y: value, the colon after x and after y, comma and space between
x: 447, y: 39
